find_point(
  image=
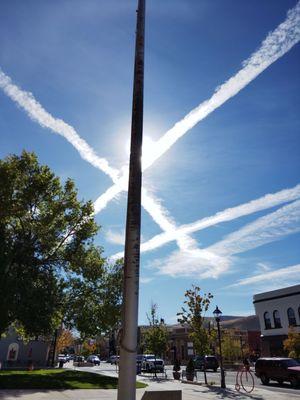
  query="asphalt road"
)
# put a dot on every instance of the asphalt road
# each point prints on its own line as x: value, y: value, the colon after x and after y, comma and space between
x: 230, y: 378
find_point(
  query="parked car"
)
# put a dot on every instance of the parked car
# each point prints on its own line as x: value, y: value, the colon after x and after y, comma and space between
x: 113, y: 359
x: 151, y: 364
x: 78, y: 359
x: 62, y: 358
x: 139, y: 358
x: 207, y: 362
x: 93, y: 359
x: 278, y: 369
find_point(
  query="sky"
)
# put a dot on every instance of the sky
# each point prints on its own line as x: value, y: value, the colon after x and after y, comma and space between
x: 221, y: 184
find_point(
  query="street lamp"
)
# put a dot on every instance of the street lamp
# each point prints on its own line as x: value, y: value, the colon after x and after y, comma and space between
x: 241, y: 344
x: 217, y: 314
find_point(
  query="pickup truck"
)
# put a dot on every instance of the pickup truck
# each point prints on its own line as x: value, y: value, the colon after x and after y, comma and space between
x: 152, y: 364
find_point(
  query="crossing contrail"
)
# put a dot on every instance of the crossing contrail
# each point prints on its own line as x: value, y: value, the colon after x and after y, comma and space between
x: 229, y: 214
x: 275, y: 45
x: 260, y: 204
x: 269, y: 228
x: 38, y: 114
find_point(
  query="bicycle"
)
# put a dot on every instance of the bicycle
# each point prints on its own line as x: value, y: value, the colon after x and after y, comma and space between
x: 244, y: 379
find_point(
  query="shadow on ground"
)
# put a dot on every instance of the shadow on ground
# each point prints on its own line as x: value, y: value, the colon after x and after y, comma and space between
x: 227, y: 393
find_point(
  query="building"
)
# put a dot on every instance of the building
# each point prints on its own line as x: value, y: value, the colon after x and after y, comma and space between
x: 179, y: 344
x: 247, y: 331
x: 14, y: 352
x: 244, y: 329
x: 277, y: 311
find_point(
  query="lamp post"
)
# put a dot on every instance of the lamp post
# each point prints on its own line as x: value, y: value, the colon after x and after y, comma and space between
x: 241, y: 344
x: 217, y: 314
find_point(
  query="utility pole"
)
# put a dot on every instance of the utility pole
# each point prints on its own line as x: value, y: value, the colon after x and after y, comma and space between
x: 128, y: 342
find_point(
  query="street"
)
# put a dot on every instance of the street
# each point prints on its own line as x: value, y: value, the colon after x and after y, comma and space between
x: 212, y: 378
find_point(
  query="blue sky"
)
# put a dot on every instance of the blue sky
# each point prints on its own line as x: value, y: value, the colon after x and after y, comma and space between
x: 241, y: 144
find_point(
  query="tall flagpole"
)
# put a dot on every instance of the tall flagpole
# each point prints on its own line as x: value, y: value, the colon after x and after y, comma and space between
x: 128, y: 344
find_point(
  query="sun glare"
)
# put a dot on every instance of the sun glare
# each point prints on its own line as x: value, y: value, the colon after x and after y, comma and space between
x: 148, y: 149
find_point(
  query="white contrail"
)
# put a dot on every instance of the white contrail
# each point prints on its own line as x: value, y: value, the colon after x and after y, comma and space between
x: 161, y: 216
x: 276, y: 44
x: 260, y: 204
x: 38, y: 114
x: 263, y: 203
x: 281, y: 273
x: 267, y: 229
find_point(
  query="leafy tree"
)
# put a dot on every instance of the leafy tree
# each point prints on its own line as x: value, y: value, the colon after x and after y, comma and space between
x: 89, y: 347
x: 47, y: 250
x: 292, y: 344
x: 94, y: 299
x: 64, y: 340
x: 193, y: 314
x: 156, y: 337
x: 231, y: 347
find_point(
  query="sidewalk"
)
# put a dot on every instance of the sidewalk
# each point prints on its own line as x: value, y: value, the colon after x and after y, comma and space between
x: 189, y: 392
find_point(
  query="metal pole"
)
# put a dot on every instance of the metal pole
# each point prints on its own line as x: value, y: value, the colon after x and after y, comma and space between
x: 128, y: 342
x: 241, y: 344
x: 223, y: 386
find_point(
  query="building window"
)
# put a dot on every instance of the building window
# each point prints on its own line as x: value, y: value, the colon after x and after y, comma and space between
x: 267, y: 320
x: 291, y: 317
x: 276, y: 318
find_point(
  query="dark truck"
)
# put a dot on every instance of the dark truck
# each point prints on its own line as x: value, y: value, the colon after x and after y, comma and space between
x: 207, y: 362
x: 278, y: 369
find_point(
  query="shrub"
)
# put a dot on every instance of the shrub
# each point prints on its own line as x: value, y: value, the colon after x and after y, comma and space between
x: 176, y: 366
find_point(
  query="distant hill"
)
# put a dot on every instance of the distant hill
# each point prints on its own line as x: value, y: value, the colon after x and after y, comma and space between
x: 224, y: 318
x: 250, y: 323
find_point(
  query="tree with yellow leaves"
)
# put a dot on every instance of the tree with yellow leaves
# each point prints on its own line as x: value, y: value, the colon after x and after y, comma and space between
x: 292, y: 344
x: 65, y: 339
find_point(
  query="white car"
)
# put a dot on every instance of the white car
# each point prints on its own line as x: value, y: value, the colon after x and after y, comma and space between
x: 63, y: 358
x: 151, y: 364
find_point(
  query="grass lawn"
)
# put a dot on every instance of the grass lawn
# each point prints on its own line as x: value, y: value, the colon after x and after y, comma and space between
x: 57, y: 379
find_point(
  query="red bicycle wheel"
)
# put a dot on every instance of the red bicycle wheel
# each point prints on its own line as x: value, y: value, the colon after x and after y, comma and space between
x: 247, y: 381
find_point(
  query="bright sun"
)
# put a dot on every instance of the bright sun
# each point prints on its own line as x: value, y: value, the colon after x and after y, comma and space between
x: 148, y: 148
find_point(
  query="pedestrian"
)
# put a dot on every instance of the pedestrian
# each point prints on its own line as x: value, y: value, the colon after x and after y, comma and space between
x: 246, y: 364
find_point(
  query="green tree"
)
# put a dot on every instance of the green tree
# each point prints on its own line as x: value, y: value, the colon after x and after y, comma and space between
x: 94, y: 299
x: 192, y: 314
x: 88, y: 347
x: 46, y: 246
x: 231, y: 347
x: 156, y: 336
x: 292, y: 344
